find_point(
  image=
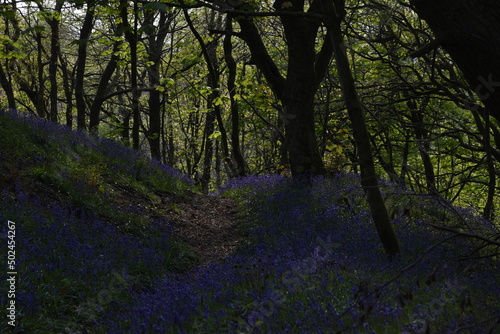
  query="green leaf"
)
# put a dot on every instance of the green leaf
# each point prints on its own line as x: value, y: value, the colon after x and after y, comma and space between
x: 215, y: 135
x: 167, y: 82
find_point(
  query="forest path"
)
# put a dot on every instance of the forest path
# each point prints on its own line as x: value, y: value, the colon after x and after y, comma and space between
x: 208, y: 224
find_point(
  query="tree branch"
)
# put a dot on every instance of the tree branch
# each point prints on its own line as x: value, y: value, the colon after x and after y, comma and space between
x: 260, y: 56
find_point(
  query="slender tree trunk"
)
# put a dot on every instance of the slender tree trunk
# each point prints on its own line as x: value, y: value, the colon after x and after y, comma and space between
x: 102, y: 88
x: 81, y: 107
x: 209, y: 51
x: 38, y: 98
x: 235, y: 113
x: 155, y: 51
x: 489, y: 207
x: 10, y: 24
x: 369, y: 180
x: 68, y: 90
x: 4, y: 77
x: 34, y: 86
x: 131, y: 37
x: 55, y: 50
x: 422, y: 138
x: 208, y: 151
x: 404, y: 159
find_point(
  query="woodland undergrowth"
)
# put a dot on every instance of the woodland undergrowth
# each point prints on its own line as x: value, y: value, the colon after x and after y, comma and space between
x: 95, y: 250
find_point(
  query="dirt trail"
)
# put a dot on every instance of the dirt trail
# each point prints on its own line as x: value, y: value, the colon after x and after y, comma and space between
x: 209, y: 225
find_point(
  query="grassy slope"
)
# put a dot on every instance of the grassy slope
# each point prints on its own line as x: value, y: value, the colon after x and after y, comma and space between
x: 89, y: 213
x: 96, y: 255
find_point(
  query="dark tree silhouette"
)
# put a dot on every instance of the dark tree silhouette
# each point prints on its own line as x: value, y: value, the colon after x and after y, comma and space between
x: 306, y: 69
x: 469, y: 30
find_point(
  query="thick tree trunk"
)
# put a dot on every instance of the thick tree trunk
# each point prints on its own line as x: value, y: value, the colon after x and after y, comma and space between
x: 306, y: 69
x: 469, y: 30
x: 369, y: 180
x: 298, y: 98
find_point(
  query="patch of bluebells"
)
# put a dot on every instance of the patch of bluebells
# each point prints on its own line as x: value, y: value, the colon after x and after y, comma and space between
x: 312, y: 266
x: 289, y: 217
x: 61, y: 250
x: 286, y: 225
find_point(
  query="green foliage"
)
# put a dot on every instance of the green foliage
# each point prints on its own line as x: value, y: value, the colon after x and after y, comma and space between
x: 380, y: 37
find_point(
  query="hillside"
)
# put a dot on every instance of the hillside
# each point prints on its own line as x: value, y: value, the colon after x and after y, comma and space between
x: 108, y: 241
x: 85, y: 196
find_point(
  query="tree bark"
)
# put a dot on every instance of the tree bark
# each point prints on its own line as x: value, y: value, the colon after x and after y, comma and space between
x: 81, y: 107
x: 369, y: 180
x: 298, y: 96
x: 55, y: 50
x: 102, y: 88
x: 235, y: 114
x: 155, y: 51
x: 68, y: 90
x: 130, y: 32
x: 422, y: 139
x: 306, y: 69
x: 7, y: 87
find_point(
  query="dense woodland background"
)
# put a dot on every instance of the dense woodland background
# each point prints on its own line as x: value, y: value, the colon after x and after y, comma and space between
x: 224, y: 89
x: 212, y: 88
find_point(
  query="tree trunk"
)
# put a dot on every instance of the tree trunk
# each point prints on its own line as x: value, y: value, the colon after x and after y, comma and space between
x: 306, y: 69
x: 231, y: 86
x: 7, y: 87
x: 130, y: 32
x: 155, y: 51
x: 369, y: 180
x: 489, y: 207
x: 213, y: 114
x: 55, y: 50
x: 68, y: 90
x: 422, y: 138
x: 36, y: 95
x: 5, y: 79
x: 81, y: 107
x: 102, y: 89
